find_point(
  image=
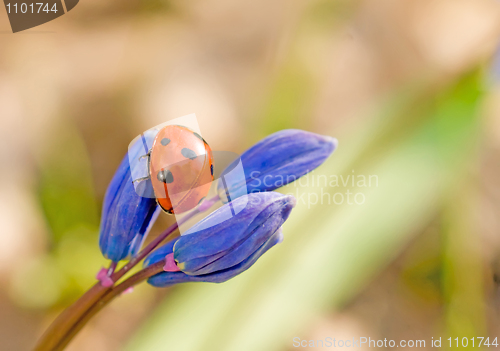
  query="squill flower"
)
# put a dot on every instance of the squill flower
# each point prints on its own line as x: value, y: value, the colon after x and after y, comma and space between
x: 219, y: 247
x: 275, y: 161
x: 126, y: 216
x: 226, y: 242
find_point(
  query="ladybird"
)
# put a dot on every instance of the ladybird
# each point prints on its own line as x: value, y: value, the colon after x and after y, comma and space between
x: 180, y: 168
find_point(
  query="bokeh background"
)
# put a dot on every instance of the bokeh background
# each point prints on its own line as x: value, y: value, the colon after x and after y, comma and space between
x: 408, y: 88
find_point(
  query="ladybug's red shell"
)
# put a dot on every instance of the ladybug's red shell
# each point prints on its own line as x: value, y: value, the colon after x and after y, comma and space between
x: 181, y: 168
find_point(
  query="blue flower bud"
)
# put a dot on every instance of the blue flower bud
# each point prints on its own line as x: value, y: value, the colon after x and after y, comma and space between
x: 166, y: 279
x: 224, y: 244
x: 275, y: 161
x: 126, y: 217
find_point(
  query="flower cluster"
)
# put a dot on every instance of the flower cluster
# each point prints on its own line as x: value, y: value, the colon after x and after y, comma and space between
x: 229, y: 240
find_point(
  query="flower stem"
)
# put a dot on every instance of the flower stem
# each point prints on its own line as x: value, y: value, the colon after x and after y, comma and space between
x: 107, y: 298
x: 112, y: 267
x: 70, y: 317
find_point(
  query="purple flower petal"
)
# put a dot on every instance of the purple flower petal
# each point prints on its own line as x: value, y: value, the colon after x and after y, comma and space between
x: 126, y: 216
x: 275, y: 161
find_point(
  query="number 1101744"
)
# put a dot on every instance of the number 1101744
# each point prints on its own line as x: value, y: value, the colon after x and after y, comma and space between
x: 38, y: 7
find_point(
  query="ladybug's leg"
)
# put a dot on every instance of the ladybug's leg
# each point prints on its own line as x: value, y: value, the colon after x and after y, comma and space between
x: 141, y: 179
x: 148, y: 155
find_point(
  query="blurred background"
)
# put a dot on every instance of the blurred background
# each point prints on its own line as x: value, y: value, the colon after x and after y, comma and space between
x: 408, y: 87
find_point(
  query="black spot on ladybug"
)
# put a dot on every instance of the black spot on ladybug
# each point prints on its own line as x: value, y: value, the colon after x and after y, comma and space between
x: 188, y: 153
x: 199, y: 137
x: 165, y: 176
x: 165, y: 141
x: 201, y: 200
x: 212, y: 170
